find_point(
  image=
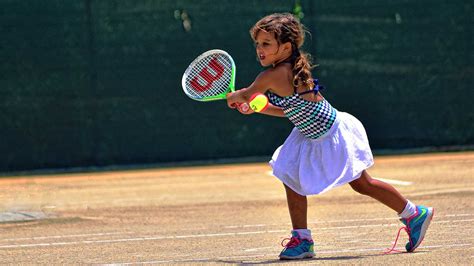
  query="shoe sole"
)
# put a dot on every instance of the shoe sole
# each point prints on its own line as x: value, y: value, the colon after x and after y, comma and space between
x: 305, y: 255
x: 424, y: 227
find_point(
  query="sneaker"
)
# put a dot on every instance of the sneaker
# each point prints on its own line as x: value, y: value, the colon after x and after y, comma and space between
x: 417, y: 225
x: 297, y: 248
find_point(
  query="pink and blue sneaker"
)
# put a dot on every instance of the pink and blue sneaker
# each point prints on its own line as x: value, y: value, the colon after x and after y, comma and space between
x: 416, y: 227
x: 297, y: 248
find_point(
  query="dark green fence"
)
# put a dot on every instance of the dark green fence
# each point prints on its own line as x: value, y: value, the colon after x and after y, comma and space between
x: 97, y: 82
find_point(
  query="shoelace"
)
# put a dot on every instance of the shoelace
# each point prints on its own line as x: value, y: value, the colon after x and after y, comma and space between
x: 294, y: 242
x: 393, y: 248
x: 407, y: 230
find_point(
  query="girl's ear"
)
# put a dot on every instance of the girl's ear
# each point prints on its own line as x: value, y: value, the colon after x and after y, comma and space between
x: 287, y: 46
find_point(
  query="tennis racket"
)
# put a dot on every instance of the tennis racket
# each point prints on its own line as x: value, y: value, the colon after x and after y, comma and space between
x: 210, y: 77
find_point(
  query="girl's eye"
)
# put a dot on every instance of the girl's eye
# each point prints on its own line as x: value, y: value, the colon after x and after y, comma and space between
x: 261, y: 44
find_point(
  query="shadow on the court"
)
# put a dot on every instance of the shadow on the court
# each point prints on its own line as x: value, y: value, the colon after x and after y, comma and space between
x: 277, y: 261
x: 316, y: 259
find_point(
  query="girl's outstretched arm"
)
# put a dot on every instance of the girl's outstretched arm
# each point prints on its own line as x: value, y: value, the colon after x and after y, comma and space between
x: 261, y: 84
x: 273, y: 110
x: 275, y: 79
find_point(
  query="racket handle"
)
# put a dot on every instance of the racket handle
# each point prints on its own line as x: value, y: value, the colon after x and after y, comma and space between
x: 244, y: 107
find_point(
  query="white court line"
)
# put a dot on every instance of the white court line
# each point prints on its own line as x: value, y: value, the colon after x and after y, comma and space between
x: 152, y: 238
x: 458, y: 215
x: 273, y: 256
x: 135, y: 239
x: 246, y: 226
x: 342, y: 221
x: 384, y: 248
x: 322, y: 247
x: 395, y: 182
x: 442, y: 191
x: 257, y: 249
x: 65, y: 236
x: 190, y: 260
x: 390, y: 181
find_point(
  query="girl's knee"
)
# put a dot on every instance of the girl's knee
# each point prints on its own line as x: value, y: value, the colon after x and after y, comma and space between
x: 362, y: 185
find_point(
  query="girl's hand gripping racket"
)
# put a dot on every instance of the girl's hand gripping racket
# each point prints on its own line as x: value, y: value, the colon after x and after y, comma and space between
x: 211, y: 76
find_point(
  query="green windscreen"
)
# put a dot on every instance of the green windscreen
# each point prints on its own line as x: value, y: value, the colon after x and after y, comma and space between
x: 97, y: 82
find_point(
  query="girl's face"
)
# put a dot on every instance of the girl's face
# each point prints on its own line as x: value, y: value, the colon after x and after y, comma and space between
x: 269, y: 51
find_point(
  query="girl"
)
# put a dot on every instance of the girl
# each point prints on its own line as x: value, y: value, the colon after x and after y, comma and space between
x: 327, y: 148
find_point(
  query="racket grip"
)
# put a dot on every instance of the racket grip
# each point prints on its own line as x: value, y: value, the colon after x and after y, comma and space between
x: 244, y: 107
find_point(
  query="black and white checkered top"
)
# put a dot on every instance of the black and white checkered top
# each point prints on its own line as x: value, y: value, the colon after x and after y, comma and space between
x: 313, y: 119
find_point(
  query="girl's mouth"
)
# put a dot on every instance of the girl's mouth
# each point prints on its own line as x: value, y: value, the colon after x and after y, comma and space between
x: 261, y: 56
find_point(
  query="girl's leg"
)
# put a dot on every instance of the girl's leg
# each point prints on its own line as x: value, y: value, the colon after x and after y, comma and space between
x: 301, y: 244
x: 298, y: 207
x: 380, y: 191
x: 416, y: 218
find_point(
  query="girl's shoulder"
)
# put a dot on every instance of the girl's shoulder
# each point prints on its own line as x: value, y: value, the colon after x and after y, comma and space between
x: 279, y: 78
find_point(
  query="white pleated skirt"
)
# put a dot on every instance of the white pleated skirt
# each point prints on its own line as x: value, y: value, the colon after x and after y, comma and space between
x: 314, y: 166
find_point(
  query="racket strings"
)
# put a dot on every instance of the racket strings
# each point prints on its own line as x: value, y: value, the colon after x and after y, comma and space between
x: 211, y: 65
x: 206, y: 75
x: 215, y: 71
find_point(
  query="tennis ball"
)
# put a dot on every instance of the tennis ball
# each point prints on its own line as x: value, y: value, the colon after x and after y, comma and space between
x: 258, y: 102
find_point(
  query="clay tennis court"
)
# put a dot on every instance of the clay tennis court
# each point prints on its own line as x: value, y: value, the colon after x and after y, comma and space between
x: 230, y: 214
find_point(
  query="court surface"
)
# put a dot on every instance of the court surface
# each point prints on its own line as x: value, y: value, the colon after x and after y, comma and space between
x: 232, y: 214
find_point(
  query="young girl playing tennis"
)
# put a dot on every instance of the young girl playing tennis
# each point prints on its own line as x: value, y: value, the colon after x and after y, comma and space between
x: 327, y: 148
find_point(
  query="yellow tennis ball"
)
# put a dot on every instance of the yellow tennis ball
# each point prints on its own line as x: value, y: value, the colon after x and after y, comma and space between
x: 258, y: 102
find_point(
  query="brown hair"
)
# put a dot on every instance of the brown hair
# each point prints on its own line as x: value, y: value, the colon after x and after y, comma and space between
x: 286, y: 28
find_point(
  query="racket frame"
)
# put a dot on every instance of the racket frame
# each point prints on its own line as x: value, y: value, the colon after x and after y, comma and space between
x: 221, y: 96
